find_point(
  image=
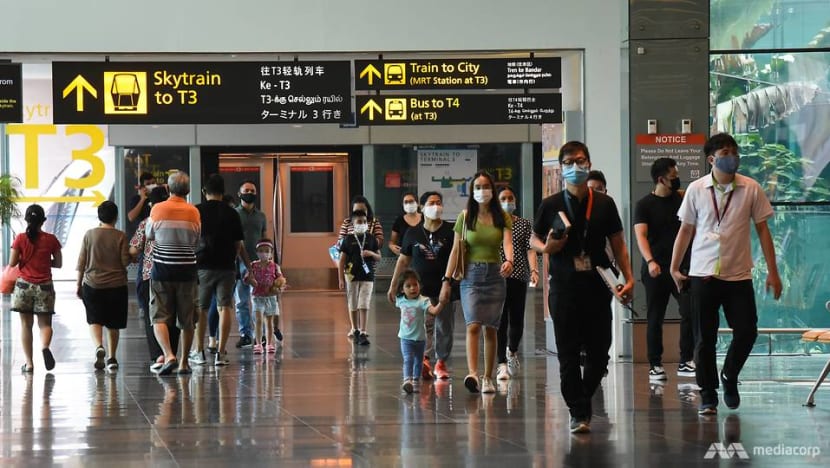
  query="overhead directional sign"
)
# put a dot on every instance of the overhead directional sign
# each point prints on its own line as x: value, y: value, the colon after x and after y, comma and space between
x: 459, y: 109
x: 509, y: 73
x: 11, y: 93
x: 202, y: 92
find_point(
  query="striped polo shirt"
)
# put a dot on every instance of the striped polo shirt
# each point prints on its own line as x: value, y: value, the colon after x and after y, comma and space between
x: 175, y: 226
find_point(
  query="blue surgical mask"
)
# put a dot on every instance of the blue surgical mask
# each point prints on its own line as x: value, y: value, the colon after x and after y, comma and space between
x: 575, y: 174
x: 509, y: 207
x: 728, y: 163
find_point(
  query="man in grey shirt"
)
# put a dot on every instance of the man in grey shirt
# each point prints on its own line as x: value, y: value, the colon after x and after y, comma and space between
x: 253, y: 229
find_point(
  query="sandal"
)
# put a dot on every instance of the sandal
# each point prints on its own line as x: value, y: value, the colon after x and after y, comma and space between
x: 48, y: 359
x: 26, y: 369
x: 168, y: 367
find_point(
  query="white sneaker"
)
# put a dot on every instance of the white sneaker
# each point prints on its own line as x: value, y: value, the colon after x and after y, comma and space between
x: 221, y: 359
x: 487, y: 385
x: 513, y: 363
x: 502, y: 373
x: 196, y: 357
x: 657, y: 373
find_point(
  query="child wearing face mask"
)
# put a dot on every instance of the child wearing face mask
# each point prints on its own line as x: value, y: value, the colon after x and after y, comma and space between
x: 356, y: 273
x: 269, y: 283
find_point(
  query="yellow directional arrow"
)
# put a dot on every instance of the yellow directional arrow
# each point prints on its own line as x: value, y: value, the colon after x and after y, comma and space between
x: 79, y: 84
x: 96, y: 198
x: 373, y: 107
x: 372, y: 72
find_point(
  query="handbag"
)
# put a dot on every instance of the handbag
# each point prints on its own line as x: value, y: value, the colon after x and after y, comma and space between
x: 9, y: 278
x: 460, y: 268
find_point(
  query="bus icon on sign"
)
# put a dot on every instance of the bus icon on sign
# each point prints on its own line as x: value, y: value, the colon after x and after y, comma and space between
x: 395, y: 109
x: 126, y: 92
x: 394, y: 73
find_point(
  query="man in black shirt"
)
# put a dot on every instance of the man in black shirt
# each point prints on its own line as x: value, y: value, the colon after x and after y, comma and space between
x: 138, y: 208
x: 579, y: 300
x: 221, y: 242
x: 426, y: 249
x: 656, y: 225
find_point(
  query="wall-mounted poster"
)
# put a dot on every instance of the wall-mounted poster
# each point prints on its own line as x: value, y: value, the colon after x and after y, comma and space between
x: 448, y: 172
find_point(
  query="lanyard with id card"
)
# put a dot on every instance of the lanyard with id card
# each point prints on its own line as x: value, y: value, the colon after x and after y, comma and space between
x: 362, y: 260
x: 582, y: 262
x: 715, y: 235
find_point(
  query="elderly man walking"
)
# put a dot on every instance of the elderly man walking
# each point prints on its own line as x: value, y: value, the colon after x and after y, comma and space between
x: 175, y: 226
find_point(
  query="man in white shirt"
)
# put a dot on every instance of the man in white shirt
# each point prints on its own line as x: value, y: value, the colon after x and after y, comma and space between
x: 715, y: 216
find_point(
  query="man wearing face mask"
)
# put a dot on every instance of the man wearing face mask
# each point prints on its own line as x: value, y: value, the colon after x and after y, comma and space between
x: 656, y: 226
x: 715, y: 214
x: 579, y: 300
x: 426, y: 249
x: 254, y: 227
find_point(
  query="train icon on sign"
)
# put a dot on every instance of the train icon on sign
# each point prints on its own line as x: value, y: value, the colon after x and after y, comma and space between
x: 125, y: 92
x: 394, y: 73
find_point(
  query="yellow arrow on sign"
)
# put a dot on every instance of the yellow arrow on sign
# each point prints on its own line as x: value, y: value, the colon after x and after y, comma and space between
x: 373, y: 107
x: 79, y: 84
x: 96, y: 198
x: 372, y: 72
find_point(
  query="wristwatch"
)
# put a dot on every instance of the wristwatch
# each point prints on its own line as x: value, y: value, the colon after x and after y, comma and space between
x: 447, y: 279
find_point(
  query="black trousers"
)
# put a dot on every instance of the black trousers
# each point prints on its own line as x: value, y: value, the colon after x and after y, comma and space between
x: 512, y: 324
x: 142, y: 292
x: 738, y: 301
x: 658, y: 292
x: 581, y: 310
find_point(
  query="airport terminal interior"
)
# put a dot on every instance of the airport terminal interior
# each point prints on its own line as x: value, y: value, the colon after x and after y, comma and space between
x: 303, y: 108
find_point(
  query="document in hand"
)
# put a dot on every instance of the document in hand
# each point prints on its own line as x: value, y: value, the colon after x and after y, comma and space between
x: 614, y: 285
x: 561, y: 225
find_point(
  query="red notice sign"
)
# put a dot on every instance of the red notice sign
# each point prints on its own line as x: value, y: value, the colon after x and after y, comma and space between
x: 686, y: 149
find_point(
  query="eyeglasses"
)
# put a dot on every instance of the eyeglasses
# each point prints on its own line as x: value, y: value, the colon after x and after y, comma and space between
x: 579, y: 162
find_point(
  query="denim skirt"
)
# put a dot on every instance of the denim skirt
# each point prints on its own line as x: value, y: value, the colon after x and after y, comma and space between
x: 482, y: 294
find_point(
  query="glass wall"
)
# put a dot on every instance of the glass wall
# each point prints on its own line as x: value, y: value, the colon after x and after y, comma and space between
x: 770, y: 83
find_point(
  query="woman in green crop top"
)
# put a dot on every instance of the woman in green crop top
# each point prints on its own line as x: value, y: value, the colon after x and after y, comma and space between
x: 484, y: 228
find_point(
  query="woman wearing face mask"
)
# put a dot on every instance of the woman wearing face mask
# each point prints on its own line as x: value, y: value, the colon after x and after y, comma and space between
x: 486, y: 228
x: 361, y: 203
x: 426, y: 249
x: 525, y: 270
x: 410, y: 218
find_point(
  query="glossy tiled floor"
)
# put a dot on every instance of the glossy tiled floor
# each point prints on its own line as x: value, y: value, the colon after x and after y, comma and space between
x: 321, y: 402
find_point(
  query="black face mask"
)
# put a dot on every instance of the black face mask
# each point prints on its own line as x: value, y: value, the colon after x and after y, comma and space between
x: 248, y: 197
x: 674, y: 184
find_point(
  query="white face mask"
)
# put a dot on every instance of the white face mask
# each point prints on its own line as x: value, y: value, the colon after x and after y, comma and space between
x: 482, y: 195
x: 361, y: 228
x: 410, y: 208
x: 433, y: 211
x: 263, y: 256
x: 509, y: 207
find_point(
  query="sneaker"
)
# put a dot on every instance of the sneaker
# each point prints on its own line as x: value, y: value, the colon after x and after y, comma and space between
x: 363, y: 339
x: 580, y: 425
x: 708, y: 409
x: 270, y: 349
x: 154, y: 367
x: 686, y: 369
x: 354, y: 335
x: 487, y: 385
x: 416, y: 386
x: 112, y: 364
x: 278, y: 335
x: 258, y: 349
x: 244, y: 342
x: 407, y: 386
x: 196, y: 357
x: 221, y: 359
x: 426, y: 369
x: 730, y: 392
x: 441, y: 370
x: 471, y: 382
x: 657, y: 373
x: 513, y: 363
x: 100, y: 354
x: 503, y: 373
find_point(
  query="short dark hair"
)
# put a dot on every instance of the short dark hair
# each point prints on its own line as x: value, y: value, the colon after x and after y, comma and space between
x: 660, y: 168
x: 145, y: 176
x: 425, y: 196
x: 158, y: 195
x: 406, y: 275
x: 598, y: 175
x: 358, y: 214
x: 107, y: 212
x: 229, y: 199
x: 719, y: 141
x: 573, y: 147
x: 246, y: 181
x: 215, y: 185
x: 365, y: 201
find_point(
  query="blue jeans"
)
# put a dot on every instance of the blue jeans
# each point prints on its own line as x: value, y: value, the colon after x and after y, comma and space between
x: 243, y: 305
x: 213, y: 318
x: 413, y: 358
